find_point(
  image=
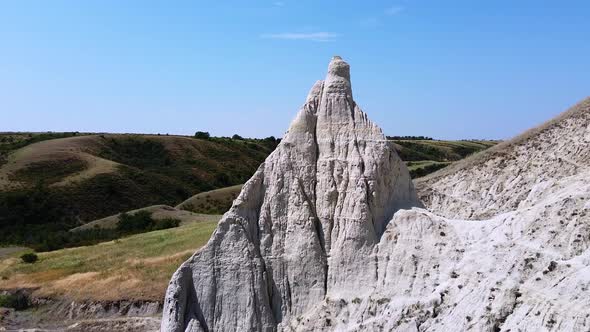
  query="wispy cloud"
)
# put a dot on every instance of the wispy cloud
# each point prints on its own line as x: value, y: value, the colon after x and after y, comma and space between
x: 279, y: 3
x: 313, y: 36
x: 370, y: 22
x: 394, y: 10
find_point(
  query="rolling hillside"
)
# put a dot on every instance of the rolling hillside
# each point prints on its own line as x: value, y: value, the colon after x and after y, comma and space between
x: 52, y: 182
x: 52, y: 185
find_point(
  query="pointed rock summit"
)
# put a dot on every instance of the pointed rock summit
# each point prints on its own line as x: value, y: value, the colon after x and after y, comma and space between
x: 305, y: 227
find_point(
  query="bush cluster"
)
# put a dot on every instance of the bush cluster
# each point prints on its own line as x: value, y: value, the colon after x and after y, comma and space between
x: 29, y: 258
x: 142, y: 221
x: 407, y: 138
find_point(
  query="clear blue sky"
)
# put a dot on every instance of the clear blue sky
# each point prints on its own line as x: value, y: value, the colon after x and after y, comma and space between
x: 447, y: 69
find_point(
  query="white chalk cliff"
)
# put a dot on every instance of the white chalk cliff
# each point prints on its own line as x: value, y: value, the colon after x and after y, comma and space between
x: 305, y: 225
x: 329, y: 234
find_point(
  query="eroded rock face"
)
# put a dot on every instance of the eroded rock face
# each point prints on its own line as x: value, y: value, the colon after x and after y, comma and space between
x: 523, y: 266
x: 304, y: 227
x: 514, y: 174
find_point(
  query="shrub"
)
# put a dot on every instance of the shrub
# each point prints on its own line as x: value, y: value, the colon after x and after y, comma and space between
x: 29, y: 258
x: 140, y: 221
x: 14, y: 301
x: 238, y: 137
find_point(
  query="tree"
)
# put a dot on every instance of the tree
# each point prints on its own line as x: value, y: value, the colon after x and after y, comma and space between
x: 236, y: 136
x: 270, y: 139
x: 202, y: 135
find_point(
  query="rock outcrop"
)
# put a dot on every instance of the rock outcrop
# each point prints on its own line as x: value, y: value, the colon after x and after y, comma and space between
x: 329, y: 234
x: 304, y: 226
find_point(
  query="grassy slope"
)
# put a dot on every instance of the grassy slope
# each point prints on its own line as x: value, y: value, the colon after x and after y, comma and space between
x: 426, y: 156
x: 214, y: 201
x: 158, y: 212
x: 136, y: 267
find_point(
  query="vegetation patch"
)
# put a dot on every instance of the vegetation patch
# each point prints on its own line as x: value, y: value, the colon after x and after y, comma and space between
x: 142, y: 221
x: 15, y: 301
x: 49, y: 171
x: 421, y: 168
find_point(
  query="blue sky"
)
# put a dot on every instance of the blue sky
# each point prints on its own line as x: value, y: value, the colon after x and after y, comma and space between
x: 447, y: 69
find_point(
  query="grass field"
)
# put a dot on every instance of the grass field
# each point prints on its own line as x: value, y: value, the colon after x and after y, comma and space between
x: 135, y: 268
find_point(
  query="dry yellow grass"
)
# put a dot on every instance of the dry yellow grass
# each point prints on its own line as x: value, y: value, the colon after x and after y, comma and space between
x: 133, y: 268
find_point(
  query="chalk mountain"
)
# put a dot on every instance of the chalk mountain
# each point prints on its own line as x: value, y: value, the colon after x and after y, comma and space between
x: 329, y: 234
